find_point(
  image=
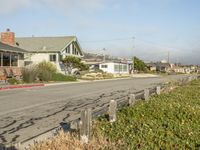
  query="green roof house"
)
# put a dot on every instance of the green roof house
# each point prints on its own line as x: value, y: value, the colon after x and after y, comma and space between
x: 50, y: 49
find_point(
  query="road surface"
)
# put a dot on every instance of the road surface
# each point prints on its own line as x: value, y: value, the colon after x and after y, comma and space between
x: 25, y: 113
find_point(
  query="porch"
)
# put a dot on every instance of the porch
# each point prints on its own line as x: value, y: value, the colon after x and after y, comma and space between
x: 11, y: 64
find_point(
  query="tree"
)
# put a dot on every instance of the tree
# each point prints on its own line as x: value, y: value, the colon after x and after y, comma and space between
x: 139, y: 65
x: 72, y: 62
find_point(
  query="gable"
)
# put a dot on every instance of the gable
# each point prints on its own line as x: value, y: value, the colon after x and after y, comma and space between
x: 72, y: 48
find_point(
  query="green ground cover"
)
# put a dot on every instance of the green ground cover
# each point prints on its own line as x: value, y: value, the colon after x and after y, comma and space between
x: 168, y: 121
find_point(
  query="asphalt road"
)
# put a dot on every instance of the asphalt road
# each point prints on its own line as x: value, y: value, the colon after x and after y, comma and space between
x: 28, y: 112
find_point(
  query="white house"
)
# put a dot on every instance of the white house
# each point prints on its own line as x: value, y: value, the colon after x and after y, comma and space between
x: 115, y: 67
x: 51, y: 49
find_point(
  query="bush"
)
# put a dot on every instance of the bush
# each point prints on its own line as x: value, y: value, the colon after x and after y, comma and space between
x: 29, y: 74
x: 13, y: 81
x: 62, y: 77
x: 46, y: 70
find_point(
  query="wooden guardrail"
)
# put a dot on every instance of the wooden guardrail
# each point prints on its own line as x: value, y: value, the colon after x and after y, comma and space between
x: 111, y: 108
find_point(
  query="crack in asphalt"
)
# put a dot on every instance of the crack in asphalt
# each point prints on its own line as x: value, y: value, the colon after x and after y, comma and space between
x: 31, y: 121
x: 10, y: 124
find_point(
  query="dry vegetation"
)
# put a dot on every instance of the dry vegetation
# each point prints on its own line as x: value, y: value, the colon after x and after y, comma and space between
x: 69, y: 141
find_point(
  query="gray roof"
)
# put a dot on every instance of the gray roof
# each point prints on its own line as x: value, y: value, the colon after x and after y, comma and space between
x: 44, y: 44
x: 159, y: 64
x: 8, y: 48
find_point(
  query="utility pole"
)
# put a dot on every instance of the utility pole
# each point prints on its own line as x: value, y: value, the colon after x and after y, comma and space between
x: 168, y: 55
x: 104, y: 57
x: 133, y: 38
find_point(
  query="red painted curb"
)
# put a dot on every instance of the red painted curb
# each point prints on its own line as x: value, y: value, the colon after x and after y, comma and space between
x: 21, y: 86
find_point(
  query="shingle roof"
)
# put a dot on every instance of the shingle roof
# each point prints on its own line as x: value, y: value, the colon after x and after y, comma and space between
x: 6, y: 47
x: 44, y: 44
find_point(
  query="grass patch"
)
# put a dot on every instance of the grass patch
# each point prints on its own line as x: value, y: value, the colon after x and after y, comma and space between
x: 168, y: 121
x: 62, y: 77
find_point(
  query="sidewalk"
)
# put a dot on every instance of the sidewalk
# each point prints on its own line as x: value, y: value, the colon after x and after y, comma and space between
x: 8, y: 87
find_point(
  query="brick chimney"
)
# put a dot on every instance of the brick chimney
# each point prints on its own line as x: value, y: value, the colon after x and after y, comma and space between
x: 8, y: 37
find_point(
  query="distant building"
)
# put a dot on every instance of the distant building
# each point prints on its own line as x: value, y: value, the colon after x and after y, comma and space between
x: 178, y: 69
x: 115, y: 67
x: 159, y: 66
x: 151, y: 66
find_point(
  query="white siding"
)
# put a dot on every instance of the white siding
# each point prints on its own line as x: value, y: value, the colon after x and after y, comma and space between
x: 111, y: 68
x: 36, y: 58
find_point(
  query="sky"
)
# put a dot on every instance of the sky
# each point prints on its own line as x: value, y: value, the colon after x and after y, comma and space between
x: 148, y: 29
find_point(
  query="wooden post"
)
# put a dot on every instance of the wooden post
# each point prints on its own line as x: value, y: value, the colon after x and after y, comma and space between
x: 158, y: 90
x: 131, y: 100
x: 112, y: 111
x: 85, y: 125
x: 146, y: 94
x: 189, y: 78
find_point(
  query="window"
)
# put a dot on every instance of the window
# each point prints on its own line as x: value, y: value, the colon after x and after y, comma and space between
x: 125, y: 68
x: 74, y: 50
x: 52, y: 57
x: 67, y: 50
x: 116, y: 68
x: 120, y: 68
x: 1, y: 59
x: 104, y: 66
x: 14, y: 60
x: 6, y: 59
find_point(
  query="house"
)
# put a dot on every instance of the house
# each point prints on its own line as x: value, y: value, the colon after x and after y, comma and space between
x: 151, y: 66
x: 115, y: 67
x: 50, y: 49
x: 92, y: 63
x: 11, y: 57
x: 187, y: 70
x: 163, y: 67
x: 178, y: 69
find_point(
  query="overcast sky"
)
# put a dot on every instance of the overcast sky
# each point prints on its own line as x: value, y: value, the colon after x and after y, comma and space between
x: 158, y: 26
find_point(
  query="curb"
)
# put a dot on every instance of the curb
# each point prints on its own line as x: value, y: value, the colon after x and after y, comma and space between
x: 21, y: 86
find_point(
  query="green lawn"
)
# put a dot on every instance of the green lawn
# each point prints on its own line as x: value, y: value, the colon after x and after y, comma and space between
x: 168, y: 121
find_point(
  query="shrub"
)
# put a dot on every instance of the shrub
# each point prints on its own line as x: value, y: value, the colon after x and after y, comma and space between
x: 46, y: 70
x: 29, y: 74
x: 108, y: 75
x: 13, y: 81
x: 62, y: 77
